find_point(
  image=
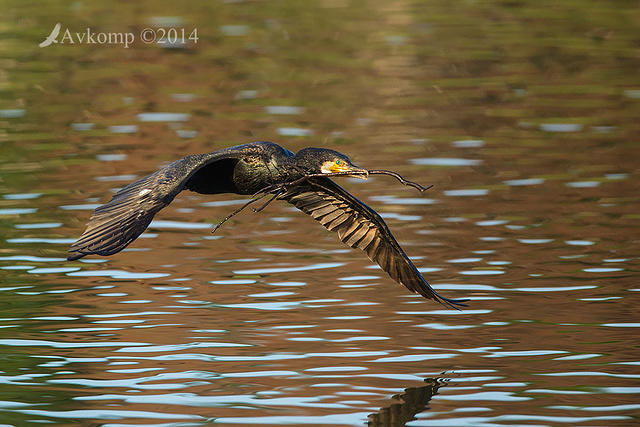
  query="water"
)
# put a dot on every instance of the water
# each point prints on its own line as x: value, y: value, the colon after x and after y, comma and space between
x: 523, y: 116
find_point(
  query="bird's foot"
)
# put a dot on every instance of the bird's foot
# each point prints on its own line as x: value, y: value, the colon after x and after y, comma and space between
x: 277, y: 190
x: 271, y: 199
x: 234, y: 213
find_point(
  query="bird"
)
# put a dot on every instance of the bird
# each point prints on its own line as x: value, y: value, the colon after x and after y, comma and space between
x: 260, y: 169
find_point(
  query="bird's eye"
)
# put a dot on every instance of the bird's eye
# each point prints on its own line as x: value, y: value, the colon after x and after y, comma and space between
x: 338, y: 162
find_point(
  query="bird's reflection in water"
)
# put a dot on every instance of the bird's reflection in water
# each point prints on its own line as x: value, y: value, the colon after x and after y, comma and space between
x: 410, y: 403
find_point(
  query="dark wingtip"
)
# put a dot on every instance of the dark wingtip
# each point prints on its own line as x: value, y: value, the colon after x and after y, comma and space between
x: 74, y: 256
x: 431, y: 293
x: 453, y: 303
x: 447, y: 302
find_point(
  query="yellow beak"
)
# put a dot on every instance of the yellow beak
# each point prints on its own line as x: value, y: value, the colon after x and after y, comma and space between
x: 357, y: 172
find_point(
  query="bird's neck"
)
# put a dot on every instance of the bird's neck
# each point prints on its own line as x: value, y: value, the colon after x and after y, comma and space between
x: 286, y: 170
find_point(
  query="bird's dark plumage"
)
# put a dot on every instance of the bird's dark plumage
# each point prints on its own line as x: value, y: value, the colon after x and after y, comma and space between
x: 259, y: 167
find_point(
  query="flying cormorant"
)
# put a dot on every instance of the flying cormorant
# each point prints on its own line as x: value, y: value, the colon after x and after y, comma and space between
x: 260, y: 169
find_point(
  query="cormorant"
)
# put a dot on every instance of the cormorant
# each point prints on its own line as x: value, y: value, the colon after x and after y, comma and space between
x: 260, y: 169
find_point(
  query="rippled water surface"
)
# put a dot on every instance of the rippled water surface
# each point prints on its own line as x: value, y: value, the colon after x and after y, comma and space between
x: 523, y: 115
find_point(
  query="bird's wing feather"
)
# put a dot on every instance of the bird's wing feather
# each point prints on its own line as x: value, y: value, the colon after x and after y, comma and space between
x: 360, y: 227
x: 119, y: 222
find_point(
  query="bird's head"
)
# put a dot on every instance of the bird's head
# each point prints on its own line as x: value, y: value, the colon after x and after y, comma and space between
x: 323, y: 160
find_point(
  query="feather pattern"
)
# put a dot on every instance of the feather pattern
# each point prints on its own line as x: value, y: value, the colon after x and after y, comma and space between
x: 114, y: 225
x: 257, y: 168
x: 359, y: 226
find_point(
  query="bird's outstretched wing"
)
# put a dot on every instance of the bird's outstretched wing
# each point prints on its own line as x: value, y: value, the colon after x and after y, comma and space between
x: 361, y: 227
x: 115, y: 225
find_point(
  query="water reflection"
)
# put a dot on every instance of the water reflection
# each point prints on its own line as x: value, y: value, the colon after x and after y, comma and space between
x: 468, y: 143
x: 294, y: 132
x: 12, y: 113
x: 123, y: 129
x: 17, y: 211
x: 283, y: 109
x: 446, y: 161
x: 163, y: 117
x: 111, y: 157
x: 82, y: 126
x: 406, y: 405
x: 561, y: 127
x: 23, y: 196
